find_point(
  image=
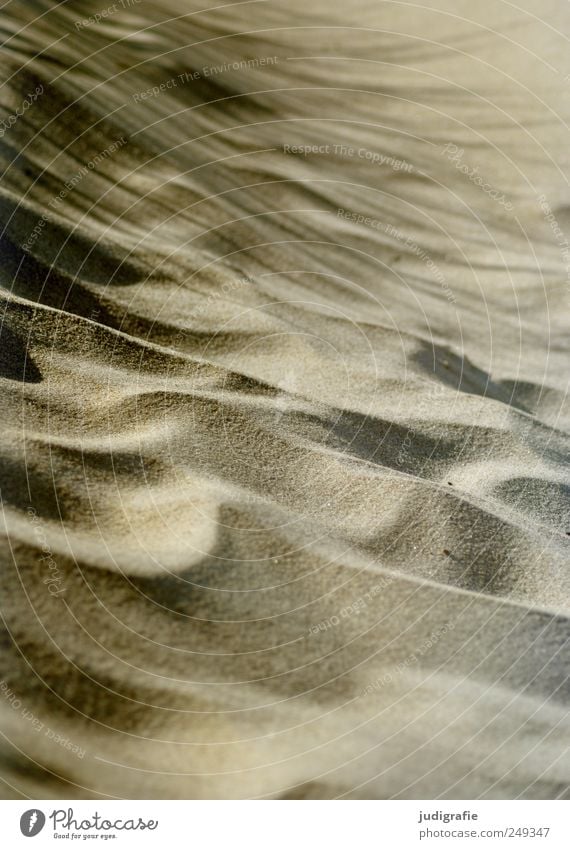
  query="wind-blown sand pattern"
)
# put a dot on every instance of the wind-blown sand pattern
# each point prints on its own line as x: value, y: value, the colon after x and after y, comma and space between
x: 284, y: 369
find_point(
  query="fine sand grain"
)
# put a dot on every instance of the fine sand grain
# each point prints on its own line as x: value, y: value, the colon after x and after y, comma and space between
x: 284, y: 369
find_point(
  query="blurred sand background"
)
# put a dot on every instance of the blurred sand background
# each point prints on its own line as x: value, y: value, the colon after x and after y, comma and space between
x: 284, y: 368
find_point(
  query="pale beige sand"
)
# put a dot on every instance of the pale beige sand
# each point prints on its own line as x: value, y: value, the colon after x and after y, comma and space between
x: 285, y: 489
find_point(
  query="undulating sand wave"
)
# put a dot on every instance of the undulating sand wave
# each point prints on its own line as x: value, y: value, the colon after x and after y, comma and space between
x: 284, y: 373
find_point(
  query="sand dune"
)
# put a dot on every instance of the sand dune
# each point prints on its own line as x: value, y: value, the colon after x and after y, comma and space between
x: 284, y: 373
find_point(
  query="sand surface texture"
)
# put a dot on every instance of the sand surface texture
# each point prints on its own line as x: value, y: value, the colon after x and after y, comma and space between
x: 284, y: 362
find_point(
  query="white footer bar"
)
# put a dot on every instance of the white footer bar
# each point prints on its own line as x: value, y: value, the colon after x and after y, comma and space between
x: 286, y: 825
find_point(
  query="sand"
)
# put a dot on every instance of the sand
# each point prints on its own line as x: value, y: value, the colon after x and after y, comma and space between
x: 284, y: 368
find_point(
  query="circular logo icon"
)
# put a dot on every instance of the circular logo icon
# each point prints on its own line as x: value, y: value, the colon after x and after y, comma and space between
x: 32, y: 822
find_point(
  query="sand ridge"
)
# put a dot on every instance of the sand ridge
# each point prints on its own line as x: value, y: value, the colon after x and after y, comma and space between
x: 284, y: 376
